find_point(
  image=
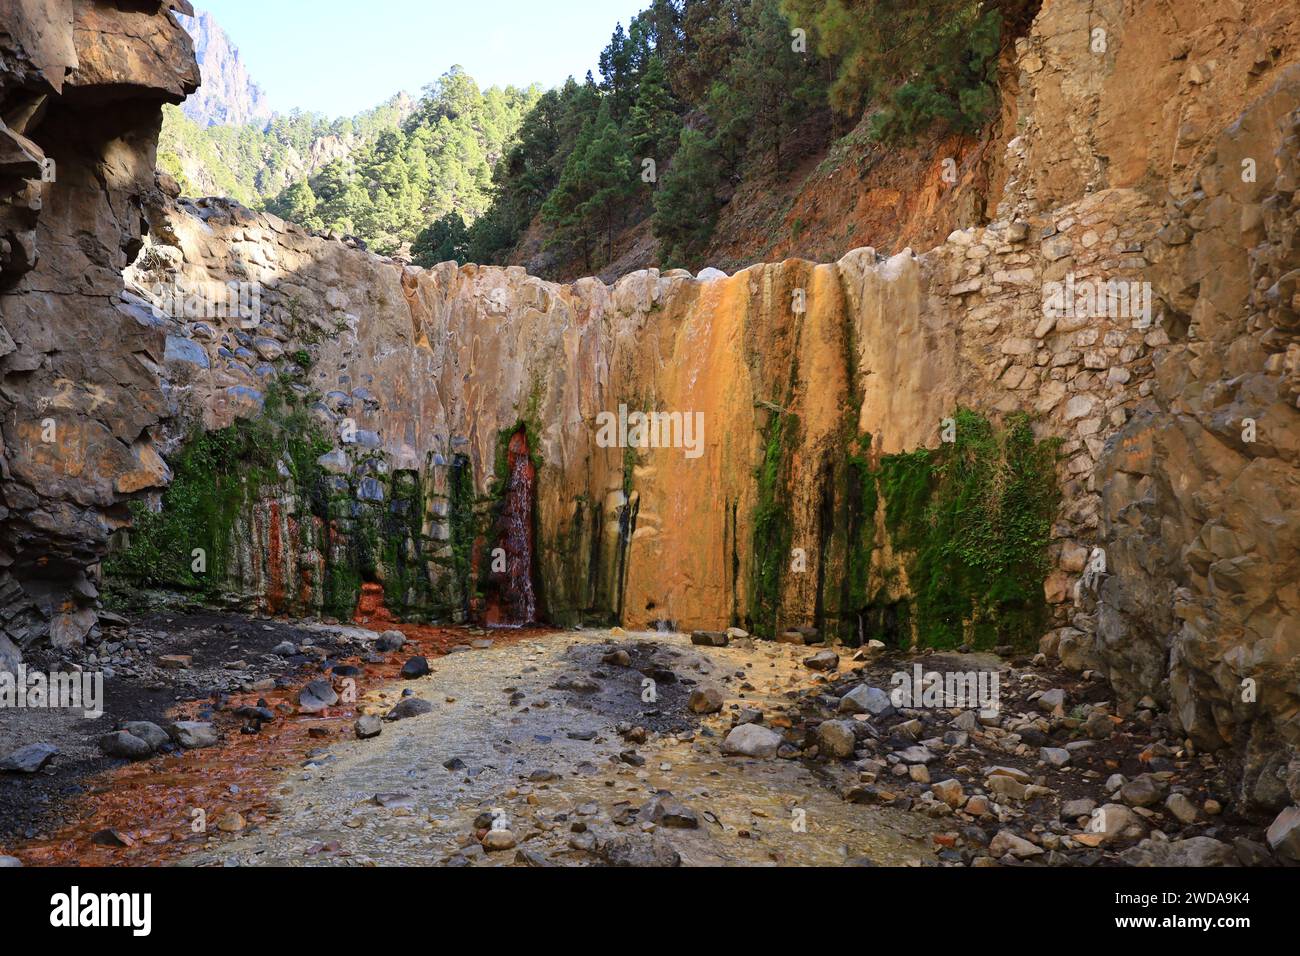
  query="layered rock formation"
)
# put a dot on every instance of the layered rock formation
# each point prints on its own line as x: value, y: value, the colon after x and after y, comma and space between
x: 431, y: 369
x: 1201, y: 489
x: 80, y: 392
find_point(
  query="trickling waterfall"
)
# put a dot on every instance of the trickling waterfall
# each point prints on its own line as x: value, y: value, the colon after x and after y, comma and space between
x: 517, y: 598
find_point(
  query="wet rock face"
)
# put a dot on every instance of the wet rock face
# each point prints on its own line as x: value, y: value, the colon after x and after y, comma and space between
x: 81, y: 90
x: 427, y: 381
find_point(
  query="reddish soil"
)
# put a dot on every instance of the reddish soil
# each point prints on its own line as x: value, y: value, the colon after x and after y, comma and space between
x: 152, y: 802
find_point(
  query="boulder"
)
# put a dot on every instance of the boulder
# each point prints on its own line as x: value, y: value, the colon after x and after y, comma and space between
x: 1284, y: 834
x: 706, y: 700
x: 835, y: 738
x: 124, y: 746
x: 30, y: 759
x: 865, y: 699
x: 192, y: 734
x: 317, y: 696
x: 751, y: 740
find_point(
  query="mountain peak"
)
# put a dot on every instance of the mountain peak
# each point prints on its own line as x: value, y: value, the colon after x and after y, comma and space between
x: 228, y: 94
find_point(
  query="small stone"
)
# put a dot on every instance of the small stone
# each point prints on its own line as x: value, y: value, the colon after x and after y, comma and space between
x: 865, y: 699
x: 29, y: 759
x: 1054, y: 756
x: 949, y: 791
x: 316, y: 696
x: 1052, y: 701
x: 705, y: 700
x: 1007, y: 842
x: 709, y: 638
x: 917, y: 754
x: 409, y: 707
x: 1283, y: 834
x: 835, y: 738
x: 1142, y: 791
x: 149, y: 732
x: 497, y: 840
x: 125, y: 746
x: 1098, y: 726
x: 1182, y: 808
x: 390, y: 641
x: 666, y: 811
x: 823, y: 661
x: 368, y: 728
x: 1071, y: 810
x: 193, y: 734
x: 640, y: 850
x: 415, y: 668
x: 231, y: 822
x: 113, y: 838
x: 1114, y: 821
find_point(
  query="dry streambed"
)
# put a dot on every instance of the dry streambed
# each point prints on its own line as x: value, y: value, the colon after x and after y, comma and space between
x: 554, y: 751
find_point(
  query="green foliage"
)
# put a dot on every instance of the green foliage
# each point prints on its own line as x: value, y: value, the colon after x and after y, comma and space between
x: 921, y: 62
x: 396, y: 175
x: 956, y: 87
x: 974, y: 521
x: 255, y: 164
x: 688, y: 202
x: 447, y: 240
x: 217, y: 476
x: 728, y: 64
x: 589, y: 201
x: 772, y: 527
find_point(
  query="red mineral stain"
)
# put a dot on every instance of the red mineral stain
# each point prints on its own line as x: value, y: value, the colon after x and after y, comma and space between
x: 154, y: 802
x: 515, y: 600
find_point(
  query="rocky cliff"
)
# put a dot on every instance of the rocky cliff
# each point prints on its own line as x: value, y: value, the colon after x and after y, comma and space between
x: 228, y: 95
x: 80, y: 385
x: 1077, y: 419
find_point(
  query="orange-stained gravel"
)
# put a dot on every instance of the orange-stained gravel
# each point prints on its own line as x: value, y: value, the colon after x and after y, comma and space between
x: 152, y: 802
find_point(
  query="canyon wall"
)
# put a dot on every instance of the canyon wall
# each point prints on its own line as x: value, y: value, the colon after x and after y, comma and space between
x: 81, y: 86
x: 419, y: 372
x: 404, y: 399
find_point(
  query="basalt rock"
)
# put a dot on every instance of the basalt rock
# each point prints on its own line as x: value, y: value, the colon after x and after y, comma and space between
x: 82, y: 84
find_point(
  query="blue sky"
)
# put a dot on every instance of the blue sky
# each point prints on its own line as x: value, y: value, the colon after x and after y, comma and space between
x: 339, y: 56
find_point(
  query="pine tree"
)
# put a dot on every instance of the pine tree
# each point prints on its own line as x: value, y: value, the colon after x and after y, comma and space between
x: 447, y: 240
x: 654, y: 124
x: 687, y: 204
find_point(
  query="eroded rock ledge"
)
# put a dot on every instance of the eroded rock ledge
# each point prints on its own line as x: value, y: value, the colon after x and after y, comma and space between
x: 81, y: 86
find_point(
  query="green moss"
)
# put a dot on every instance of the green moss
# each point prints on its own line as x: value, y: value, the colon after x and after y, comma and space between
x: 216, y: 477
x: 972, y: 522
x: 772, y: 526
x: 863, y: 502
